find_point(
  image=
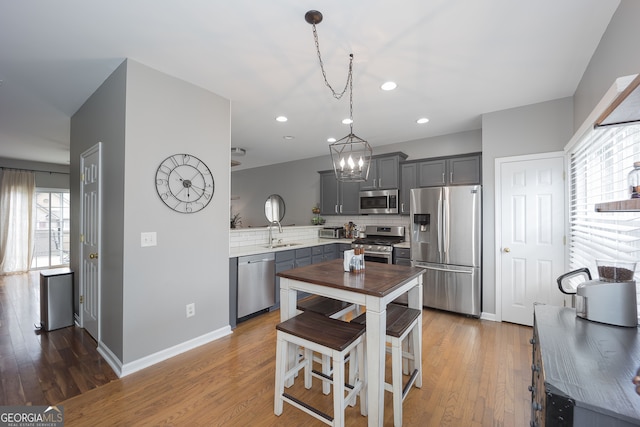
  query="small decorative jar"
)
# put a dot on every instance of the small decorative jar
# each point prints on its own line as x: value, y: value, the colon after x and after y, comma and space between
x: 634, y: 181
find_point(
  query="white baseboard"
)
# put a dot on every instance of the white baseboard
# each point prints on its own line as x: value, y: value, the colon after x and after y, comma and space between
x: 489, y: 316
x: 123, y: 370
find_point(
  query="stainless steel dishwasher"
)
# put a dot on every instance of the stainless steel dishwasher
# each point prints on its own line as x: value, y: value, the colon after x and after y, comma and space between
x: 256, y: 283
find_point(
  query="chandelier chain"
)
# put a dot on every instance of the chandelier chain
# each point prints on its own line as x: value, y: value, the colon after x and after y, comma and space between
x: 348, y: 83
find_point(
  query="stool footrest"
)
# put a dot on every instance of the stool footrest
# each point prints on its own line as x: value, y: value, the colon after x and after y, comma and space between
x: 301, y: 405
x: 320, y: 375
x: 406, y: 388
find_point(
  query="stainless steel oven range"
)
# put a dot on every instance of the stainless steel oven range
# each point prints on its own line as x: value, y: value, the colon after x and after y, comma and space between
x: 379, y: 241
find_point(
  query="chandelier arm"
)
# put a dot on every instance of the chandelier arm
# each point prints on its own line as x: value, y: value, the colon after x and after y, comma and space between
x: 336, y: 95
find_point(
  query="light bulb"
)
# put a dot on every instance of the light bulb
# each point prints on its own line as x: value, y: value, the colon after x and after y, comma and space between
x: 342, y: 163
x: 360, y: 163
x: 351, y: 162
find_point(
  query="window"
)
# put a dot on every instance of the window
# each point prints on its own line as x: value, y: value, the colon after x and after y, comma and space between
x: 599, y: 164
x: 52, y: 229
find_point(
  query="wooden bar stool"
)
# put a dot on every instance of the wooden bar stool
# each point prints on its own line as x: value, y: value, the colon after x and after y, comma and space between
x: 329, y: 307
x: 332, y: 337
x: 401, y: 323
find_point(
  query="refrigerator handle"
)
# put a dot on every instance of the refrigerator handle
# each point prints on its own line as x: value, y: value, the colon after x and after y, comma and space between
x: 468, y: 271
x: 445, y: 226
x: 440, y: 226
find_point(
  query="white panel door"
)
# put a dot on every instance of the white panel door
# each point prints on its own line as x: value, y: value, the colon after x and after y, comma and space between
x: 90, y: 236
x: 532, y: 232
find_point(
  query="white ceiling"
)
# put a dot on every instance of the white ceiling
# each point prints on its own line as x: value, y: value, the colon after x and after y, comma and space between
x: 453, y: 60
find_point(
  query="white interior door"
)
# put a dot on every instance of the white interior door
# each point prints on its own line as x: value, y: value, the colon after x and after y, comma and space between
x: 90, y: 246
x: 530, y: 228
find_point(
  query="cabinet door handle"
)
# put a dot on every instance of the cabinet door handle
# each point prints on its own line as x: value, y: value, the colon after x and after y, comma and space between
x: 379, y: 182
x: 443, y: 177
x: 401, y: 207
x: 335, y: 208
x: 450, y: 176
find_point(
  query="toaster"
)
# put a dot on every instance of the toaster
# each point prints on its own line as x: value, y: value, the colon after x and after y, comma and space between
x: 331, y: 233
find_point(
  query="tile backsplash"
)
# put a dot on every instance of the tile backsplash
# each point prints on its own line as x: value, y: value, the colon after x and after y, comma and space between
x: 260, y: 235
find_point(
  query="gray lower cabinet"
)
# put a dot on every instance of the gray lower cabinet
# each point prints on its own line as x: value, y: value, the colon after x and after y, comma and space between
x: 338, y: 198
x: 329, y: 252
x: 402, y: 256
x: 285, y: 260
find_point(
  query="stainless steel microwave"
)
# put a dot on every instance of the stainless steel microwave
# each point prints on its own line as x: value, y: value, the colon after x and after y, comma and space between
x: 379, y: 202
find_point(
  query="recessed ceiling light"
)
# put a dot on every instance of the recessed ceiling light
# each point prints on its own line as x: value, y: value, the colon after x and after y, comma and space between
x: 388, y: 86
x: 422, y: 120
x: 281, y: 119
x: 331, y: 140
x: 288, y: 137
x: 347, y: 121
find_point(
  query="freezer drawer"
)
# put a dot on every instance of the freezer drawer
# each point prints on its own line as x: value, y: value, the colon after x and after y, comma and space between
x: 56, y: 299
x: 452, y: 288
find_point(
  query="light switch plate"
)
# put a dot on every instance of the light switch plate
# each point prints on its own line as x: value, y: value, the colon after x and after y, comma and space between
x: 148, y: 239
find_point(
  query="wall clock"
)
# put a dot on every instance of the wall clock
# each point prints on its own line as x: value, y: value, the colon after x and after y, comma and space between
x: 184, y: 183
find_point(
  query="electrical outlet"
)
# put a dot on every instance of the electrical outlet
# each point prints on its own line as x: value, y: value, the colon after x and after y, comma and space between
x: 148, y: 239
x: 191, y: 309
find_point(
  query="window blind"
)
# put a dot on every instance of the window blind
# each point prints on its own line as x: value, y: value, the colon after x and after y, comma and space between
x: 598, y: 165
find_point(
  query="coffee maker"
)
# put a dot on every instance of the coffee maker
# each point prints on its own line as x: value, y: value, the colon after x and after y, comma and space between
x: 611, y: 300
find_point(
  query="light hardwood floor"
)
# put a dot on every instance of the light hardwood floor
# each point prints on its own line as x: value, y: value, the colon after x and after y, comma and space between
x: 476, y: 373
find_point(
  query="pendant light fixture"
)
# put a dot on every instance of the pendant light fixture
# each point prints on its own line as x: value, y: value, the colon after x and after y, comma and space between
x: 351, y: 155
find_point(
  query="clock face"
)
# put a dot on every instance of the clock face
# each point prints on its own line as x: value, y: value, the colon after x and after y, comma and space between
x: 184, y: 183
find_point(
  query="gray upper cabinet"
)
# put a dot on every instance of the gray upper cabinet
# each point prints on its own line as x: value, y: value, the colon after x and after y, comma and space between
x: 337, y: 198
x: 464, y: 170
x: 432, y: 173
x: 384, y: 172
x: 449, y: 171
x: 408, y: 176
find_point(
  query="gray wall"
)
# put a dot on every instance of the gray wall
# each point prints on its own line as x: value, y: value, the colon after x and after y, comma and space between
x: 616, y: 56
x: 299, y: 183
x: 537, y: 128
x: 143, y: 116
x: 102, y: 119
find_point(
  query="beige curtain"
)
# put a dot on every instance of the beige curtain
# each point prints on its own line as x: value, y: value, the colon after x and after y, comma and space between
x: 17, y: 227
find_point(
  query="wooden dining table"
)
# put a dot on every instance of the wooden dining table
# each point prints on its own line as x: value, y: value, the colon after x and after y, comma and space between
x: 374, y: 288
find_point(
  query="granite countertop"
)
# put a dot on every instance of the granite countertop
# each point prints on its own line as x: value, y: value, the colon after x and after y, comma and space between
x: 261, y: 249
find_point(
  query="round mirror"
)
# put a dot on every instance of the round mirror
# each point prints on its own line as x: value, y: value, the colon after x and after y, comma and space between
x: 274, y: 208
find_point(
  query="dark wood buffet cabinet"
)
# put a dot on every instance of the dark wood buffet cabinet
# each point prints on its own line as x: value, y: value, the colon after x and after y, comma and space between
x: 582, y: 370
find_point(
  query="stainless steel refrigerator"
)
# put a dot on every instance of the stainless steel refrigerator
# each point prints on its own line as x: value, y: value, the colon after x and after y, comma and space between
x: 446, y: 238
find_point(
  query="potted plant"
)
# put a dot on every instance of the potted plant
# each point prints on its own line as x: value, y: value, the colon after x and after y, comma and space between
x: 235, y: 220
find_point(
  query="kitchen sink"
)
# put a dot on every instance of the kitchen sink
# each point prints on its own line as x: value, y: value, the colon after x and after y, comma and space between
x: 281, y: 245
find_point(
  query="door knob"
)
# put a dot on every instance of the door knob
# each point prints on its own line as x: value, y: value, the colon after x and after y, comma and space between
x: 507, y: 250
x: 93, y: 256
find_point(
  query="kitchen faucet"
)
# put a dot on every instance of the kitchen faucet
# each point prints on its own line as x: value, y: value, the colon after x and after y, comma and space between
x: 270, y: 231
